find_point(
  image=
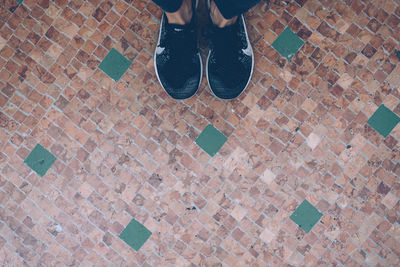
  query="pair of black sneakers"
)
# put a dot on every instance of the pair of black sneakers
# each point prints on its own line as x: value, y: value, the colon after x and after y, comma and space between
x: 178, y: 64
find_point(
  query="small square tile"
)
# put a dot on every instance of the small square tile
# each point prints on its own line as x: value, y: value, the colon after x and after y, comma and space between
x: 114, y: 64
x: 389, y: 201
x: 288, y: 43
x: 267, y: 236
x: 306, y: 216
x: 40, y: 160
x: 313, y: 140
x: 383, y: 120
x: 211, y: 140
x: 268, y: 177
x: 135, y: 234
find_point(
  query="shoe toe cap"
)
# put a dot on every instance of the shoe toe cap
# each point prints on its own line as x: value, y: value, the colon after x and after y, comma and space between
x: 188, y: 89
x: 178, y: 83
x: 226, y: 89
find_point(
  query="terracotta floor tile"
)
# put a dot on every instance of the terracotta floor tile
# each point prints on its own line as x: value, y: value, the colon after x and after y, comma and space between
x: 304, y: 129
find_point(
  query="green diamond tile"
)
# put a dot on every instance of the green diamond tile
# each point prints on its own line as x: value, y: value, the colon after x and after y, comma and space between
x: 288, y: 43
x: 40, y: 160
x: 135, y: 234
x: 19, y: 1
x: 211, y: 140
x: 383, y: 120
x: 306, y: 216
x: 114, y: 64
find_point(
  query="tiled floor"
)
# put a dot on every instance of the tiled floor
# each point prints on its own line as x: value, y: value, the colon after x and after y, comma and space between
x: 131, y: 184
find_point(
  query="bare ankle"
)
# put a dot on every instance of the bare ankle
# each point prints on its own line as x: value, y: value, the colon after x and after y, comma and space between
x: 218, y: 19
x: 183, y: 15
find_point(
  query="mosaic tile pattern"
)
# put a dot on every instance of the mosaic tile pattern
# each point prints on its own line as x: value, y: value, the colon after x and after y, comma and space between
x: 135, y: 234
x: 40, y: 160
x: 211, y: 140
x: 126, y: 150
x: 383, y: 120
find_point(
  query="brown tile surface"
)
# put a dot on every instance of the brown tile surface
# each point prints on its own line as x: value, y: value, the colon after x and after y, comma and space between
x: 126, y: 150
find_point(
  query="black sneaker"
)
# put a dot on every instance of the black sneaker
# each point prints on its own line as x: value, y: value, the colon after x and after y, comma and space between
x: 230, y: 61
x: 177, y: 60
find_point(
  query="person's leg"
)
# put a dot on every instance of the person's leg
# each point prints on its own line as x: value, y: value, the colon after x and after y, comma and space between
x: 232, y: 8
x: 218, y: 19
x: 225, y: 12
x: 169, y: 5
x: 177, y: 61
x: 177, y: 11
x: 228, y: 8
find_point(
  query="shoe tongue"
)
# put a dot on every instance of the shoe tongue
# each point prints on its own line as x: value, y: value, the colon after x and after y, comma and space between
x: 226, y: 35
x: 225, y: 42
